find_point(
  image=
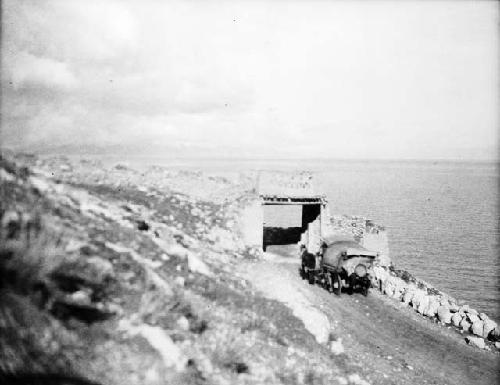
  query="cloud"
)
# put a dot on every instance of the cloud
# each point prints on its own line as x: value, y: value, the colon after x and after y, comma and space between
x: 301, y: 78
x: 70, y: 30
x: 28, y: 71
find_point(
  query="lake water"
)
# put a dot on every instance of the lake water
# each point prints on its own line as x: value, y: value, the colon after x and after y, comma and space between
x: 442, y: 217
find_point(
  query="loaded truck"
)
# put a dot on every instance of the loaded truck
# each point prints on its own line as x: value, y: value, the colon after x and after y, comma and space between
x: 339, y: 264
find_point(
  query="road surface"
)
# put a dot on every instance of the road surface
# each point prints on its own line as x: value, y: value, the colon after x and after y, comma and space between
x: 390, y: 342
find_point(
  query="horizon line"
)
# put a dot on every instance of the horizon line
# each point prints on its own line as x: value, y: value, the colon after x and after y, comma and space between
x: 247, y: 158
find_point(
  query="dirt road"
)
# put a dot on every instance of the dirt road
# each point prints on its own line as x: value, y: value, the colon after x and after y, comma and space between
x: 390, y: 342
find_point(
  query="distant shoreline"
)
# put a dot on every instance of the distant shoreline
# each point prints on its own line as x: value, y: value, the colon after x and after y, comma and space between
x: 177, y: 155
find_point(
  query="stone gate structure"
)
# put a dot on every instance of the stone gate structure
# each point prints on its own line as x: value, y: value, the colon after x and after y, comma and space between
x: 292, y: 210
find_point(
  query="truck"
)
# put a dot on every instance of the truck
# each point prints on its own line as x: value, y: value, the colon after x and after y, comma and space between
x: 339, y: 264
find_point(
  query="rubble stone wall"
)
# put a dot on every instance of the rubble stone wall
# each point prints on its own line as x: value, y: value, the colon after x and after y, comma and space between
x: 400, y: 285
x: 370, y: 235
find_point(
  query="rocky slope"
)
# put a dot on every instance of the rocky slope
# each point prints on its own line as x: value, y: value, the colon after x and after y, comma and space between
x: 111, y: 275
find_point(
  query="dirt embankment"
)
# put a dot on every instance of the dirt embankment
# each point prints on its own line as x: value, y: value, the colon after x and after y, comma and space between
x: 109, y: 275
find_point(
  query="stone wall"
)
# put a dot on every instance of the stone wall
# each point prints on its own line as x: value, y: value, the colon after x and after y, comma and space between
x: 375, y: 238
x: 370, y: 235
x: 400, y: 285
x: 251, y: 223
x: 283, y: 183
x: 352, y: 226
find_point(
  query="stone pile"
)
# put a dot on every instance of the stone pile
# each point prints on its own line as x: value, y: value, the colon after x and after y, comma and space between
x: 432, y: 303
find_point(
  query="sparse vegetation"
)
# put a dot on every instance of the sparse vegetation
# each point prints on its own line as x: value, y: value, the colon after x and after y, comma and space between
x: 66, y: 290
x: 94, y: 258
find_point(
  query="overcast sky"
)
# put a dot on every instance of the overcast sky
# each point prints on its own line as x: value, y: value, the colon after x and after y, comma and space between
x: 249, y: 78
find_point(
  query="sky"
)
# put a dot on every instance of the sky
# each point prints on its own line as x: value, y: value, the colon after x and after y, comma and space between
x: 298, y: 79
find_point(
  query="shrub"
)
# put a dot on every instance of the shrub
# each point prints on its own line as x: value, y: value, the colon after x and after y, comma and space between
x: 229, y: 352
x: 27, y: 256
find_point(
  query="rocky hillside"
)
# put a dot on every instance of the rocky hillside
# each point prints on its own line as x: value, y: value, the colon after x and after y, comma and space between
x: 111, y: 275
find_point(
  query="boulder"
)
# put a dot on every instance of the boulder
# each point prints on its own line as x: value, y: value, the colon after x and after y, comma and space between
x: 180, y: 281
x: 444, y: 302
x: 483, y: 316
x: 497, y: 345
x: 196, y: 265
x: 472, y: 312
x: 472, y: 318
x: 494, y: 335
x: 453, y: 307
x: 355, y: 379
x: 475, y: 341
x: 112, y: 308
x: 74, y: 245
x: 398, y: 283
x: 102, y: 267
x: 399, y: 289
x: 432, y: 309
x: 7, y: 176
x: 183, y: 323
x: 424, y: 304
x: 456, y: 319
x: 398, y: 294
x: 444, y: 314
x: 388, y: 289
x: 418, y: 295
x: 380, y: 273
x: 11, y: 224
x: 488, y: 326
x: 177, y: 251
x: 158, y: 339
x: 464, y: 324
x: 79, y: 298
x: 336, y: 346
x: 477, y: 327
x: 407, y: 296
x: 93, y: 272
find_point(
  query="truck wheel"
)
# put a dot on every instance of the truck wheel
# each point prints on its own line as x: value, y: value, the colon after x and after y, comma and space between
x: 337, y: 282
x: 324, y: 282
x: 366, y: 286
x: 352, y: 283
x: 328, y: 281
x: 310, y: 277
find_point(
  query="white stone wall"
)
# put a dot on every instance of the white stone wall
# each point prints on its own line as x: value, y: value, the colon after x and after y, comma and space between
x: 378, y: 242
x: 432, y: 303
x: 314, y: 236
x: 252, y: 217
